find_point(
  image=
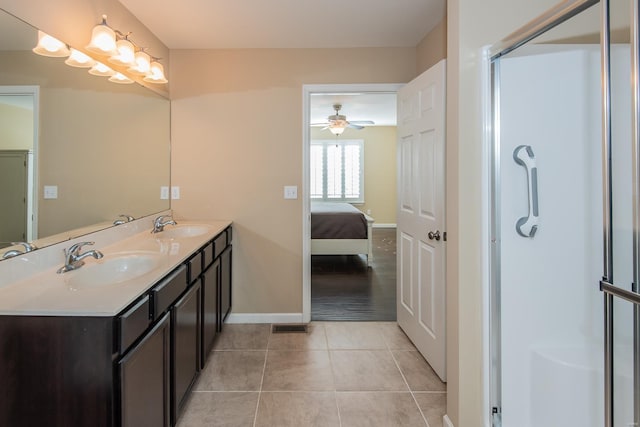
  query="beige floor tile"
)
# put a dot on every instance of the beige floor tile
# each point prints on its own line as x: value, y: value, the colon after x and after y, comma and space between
x: 433, y: 406
x: 243, y: 337
x: 314, y: 339
x: 220, y: 409
x: 378, y: 409
x: 417, y: 371
x: 232, y: 371
x: 298, y: 370
x: 366, y: 370
x: 297, y: 409
x: 395, y: 337
x: 355, y: 336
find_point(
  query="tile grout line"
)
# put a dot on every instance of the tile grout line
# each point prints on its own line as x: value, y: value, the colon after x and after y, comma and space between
x: 333, y: 375
x: 264, y: 368
x: 413, y: 396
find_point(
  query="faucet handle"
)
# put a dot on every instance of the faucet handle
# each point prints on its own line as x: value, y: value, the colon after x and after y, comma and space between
x: 28, y: 247
x: 74, y: 249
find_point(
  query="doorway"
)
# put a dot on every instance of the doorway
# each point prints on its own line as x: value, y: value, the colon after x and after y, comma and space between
x: 19, y: 145
x: 354, y: 259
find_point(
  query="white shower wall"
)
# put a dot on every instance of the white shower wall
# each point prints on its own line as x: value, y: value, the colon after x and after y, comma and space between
x: 551, y: 307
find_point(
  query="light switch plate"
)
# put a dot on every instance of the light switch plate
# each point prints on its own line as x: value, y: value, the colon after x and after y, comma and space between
x: 164, y: 193
x: 50, y: 191
x: 291, y: 192
x: 175, y: 192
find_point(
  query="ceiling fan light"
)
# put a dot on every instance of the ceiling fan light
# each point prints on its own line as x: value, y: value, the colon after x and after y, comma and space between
x: 50, y: 46
x: 336, y: 130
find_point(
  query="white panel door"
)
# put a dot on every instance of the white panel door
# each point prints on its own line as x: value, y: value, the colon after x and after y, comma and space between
x: 421, y: 201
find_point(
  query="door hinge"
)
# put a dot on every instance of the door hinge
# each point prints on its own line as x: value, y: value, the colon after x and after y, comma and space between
x: 444, y: 236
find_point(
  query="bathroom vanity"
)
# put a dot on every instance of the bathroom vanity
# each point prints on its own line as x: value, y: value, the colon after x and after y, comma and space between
x: 77, y: 349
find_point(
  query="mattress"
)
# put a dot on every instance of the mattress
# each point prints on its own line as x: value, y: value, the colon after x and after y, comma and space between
x: 337, y: 221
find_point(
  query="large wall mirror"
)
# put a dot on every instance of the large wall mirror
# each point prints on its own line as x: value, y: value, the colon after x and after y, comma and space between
x: 76, y: 151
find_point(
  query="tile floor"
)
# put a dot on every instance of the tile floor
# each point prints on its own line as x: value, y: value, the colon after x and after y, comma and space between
x: 338, y: 374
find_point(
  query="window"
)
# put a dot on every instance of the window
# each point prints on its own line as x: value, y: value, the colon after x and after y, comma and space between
x: 336, y: 169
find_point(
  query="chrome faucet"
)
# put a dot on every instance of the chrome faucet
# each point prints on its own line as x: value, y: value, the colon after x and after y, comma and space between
x: 161, y: 221
x: 73, y: 258
x: 28, y: 247
x: 127, y: 218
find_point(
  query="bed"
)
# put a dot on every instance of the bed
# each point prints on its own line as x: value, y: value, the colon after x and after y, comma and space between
x: 340, y: 229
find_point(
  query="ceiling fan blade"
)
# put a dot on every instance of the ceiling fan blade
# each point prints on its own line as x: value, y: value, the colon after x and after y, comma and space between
x: 319, y: 124
x: 353, y: 126
x: 362, y: 122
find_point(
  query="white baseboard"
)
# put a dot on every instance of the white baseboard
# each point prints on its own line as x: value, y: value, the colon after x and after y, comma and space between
x: 446, y: 421
x: 264, y: 318
x: 376, y: 225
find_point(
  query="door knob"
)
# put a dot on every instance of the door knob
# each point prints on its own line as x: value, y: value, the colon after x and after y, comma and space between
x: 433, y: 235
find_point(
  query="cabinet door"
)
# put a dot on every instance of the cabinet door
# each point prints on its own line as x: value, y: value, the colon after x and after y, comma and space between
x: 209, y: 308
x: 185, y: 346
x: 225, y: 286
x: 144, y: 379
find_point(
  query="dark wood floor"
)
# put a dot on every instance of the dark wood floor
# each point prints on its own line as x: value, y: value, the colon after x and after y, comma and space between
x: 343, y: 288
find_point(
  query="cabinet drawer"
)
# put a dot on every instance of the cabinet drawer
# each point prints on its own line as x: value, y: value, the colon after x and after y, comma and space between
x: 195, y: 267
x: 207, y: 254
x: 167, y: 291
x: 134, y: 322
x: 219, y: 243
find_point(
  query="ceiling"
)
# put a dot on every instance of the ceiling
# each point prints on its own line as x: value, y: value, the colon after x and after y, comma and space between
x: 224, y: 24
x: 377, y: 107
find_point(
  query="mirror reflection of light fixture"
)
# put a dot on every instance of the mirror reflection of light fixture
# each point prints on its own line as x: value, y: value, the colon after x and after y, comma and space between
x: 142, y: 65
x: 126, y: 53
x: 120, y: 78
x: 103, y: 39
x: 156, y: 73
x: 79, y: 59
x: 99, y: 69
x: 50, y: 46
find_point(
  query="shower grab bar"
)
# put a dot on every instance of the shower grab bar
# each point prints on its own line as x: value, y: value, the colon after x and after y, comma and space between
x: 528, y: 225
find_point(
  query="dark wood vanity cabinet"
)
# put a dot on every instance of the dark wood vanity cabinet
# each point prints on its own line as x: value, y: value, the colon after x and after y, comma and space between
x: 134, y: 369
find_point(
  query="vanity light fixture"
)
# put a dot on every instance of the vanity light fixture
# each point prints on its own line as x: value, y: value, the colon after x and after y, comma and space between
x: 142, y: 64
x: 79, y: 59
x: 126, y: 53
x: 157, y: 73
x: 120, y: 78
x: 103, y: 39
x: 99, y: 69
x: 50, y: 46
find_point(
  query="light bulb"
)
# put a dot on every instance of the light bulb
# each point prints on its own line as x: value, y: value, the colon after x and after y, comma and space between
x: 156, y: 74
x: 99, y: 69
x: 126, y: 54
x: 142, y: 65
x: 120, y: 78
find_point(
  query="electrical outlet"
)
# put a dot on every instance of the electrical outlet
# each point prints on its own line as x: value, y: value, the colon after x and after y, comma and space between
x: 164, y: 193
x: 290, y: 192
x: 368, y: 211
x: 175, y: 192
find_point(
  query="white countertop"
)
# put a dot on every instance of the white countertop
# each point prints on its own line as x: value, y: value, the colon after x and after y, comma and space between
x: 47, y: 293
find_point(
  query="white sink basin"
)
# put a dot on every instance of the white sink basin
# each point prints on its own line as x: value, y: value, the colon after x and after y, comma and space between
x: 113, y: 269
x: 183, y: 230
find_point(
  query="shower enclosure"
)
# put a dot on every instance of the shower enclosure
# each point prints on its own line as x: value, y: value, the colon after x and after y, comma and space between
x: 564, y: 220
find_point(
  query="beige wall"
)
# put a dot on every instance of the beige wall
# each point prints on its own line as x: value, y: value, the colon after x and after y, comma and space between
x: 16, y: 128
x: 379, y: 169
x: 237, y: 141
x: 471, y: 25
x: 433, y: 46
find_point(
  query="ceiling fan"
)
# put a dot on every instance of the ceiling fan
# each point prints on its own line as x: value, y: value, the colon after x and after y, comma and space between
x: 337, y: 123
